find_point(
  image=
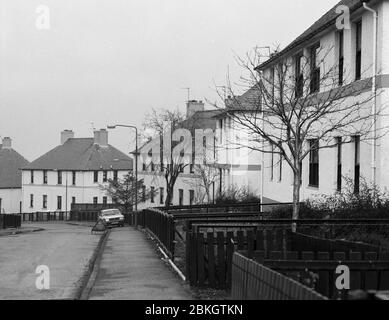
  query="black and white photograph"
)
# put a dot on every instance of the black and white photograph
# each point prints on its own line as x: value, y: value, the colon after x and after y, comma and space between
x: 194, y: 155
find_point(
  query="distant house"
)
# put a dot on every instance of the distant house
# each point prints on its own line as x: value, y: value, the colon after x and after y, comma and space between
x: 73, y: 173
x: 188, y: 187
x: 10, y: 178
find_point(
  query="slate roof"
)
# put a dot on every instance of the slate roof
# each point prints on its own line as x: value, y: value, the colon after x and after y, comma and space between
x: 326, y: 21
x: 82, y: 154
x: 202, y: 120
x: 10, y: 164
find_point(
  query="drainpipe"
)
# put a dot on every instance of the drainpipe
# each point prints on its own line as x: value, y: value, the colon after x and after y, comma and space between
x: 374, y: 91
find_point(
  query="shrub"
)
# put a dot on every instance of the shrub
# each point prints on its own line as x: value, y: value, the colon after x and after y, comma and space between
x: 236, y: 195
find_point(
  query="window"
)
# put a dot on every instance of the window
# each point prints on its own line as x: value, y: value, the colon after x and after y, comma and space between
x: 144, y: 167
x: 44, y: 176
x: 59, y: 177
x: 339, y: 164
x: 272, y: 83
x: 299, y: 75
x: 314, y: 163
x: 181, y: 168
x: 180, y: 197
x: 105, y: 200
x: 95, y: 176
x: 143, y: 193
x: 115, y: 175
x: 32, y: 176
x: 44, y: 201
x: 315, y: 69
x: 105, y: 176
x: 192, y: 168
x: 59, y: 202
x: 73, y: 199
x: 31, y: 201
x: 74, y: 177
x: 191, y: 197
x: 221, y: 130
x: 152, y: 167
x: 95, y: 200
x: 0, y: 204
x: 152, y: 194
x: 161, y: 195
x: 357, y: 159
x: 272, y: 163
x: 358, y: 53
x: 341, y: 55
x: 280, y: 167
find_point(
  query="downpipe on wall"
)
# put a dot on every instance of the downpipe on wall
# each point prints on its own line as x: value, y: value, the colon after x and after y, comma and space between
x: 374, y: 91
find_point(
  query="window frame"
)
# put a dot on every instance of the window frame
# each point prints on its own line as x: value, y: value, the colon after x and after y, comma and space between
x: 59, y: 202
x: 45, y: 177
x: 315, y: 69
x: 314, y: 163
x: 44, y: 201
x: 299, y: 75
x: 358, y: 49
x: 340, y: 36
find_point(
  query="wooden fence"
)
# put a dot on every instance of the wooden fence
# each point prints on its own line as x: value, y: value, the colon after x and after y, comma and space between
x: 209, y: 255
x: 254, y: 207
x: 10, y: 221
x: 75, y: 216
x: 253, y: 281
x: 45, y: 216
x: 161, y: 225
x: 369, y: 270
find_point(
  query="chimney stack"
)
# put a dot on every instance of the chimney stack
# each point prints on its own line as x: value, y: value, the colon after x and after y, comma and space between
x: 7, y: 143
x: 192, y: 107
x: 101, y: 137
x: 66, y: 135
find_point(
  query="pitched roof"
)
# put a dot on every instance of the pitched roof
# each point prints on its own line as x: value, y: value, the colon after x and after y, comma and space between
x: 246, y: 101
x: 202, y: 120
x: 10, y: 164
x: 326, y: 21
x: 83, y: 155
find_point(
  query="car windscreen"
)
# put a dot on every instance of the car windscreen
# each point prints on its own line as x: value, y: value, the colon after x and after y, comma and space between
x: 110, y: 213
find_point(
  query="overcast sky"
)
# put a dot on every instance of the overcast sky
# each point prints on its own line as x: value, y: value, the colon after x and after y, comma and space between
x: 109, y: 61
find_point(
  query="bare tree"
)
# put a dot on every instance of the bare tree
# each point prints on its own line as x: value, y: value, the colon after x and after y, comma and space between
x: 205, y: 176
x: 298, y: 106
x: 160, y: 124
x: 123, y: 191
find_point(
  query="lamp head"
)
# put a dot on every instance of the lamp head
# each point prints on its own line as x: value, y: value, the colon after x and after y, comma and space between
x: 111, y: 127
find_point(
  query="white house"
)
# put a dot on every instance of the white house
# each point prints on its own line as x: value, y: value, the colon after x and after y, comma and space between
x: 189, y: 187
x: 10, y: 178
x: 362, y: 59
x: 72, y: 173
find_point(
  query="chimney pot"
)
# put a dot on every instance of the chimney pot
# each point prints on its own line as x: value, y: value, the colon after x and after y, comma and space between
x: 7, y: 143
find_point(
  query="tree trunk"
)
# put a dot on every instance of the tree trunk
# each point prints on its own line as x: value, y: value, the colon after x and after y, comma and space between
x: 296, y: 198
x: 169, y: 195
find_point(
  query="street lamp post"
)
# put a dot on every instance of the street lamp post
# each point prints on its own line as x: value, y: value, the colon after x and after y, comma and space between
x: 136, y: 161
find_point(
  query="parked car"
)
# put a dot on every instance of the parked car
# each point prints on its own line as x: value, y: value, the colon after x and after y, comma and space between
x: 112, y: 217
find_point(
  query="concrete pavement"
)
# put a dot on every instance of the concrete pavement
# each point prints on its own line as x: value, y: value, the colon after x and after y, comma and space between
x: 65, y: 249
x: 131, y: 269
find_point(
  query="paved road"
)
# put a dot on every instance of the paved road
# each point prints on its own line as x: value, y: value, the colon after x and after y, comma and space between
x: 65, y: 249
x: 130, y: 269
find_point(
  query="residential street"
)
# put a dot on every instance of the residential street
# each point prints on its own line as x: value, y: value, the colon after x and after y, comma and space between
x: 65, y: 249
x: 130, y: 269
